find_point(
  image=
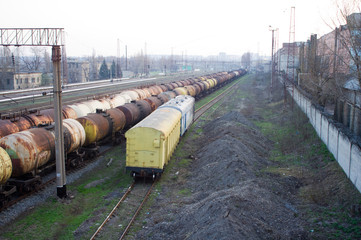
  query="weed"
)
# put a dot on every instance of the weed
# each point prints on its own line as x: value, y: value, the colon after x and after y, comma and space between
x: 185, y: 192
x: 185, y: 162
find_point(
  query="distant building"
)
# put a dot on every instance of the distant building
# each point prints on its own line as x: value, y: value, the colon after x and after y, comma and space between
x: 78, y: 71
x: 332, y: 55
x: 27, y: 80
x: 6, y: 79
x: 327, y: 54
x: 288, y: 56
x: 12, y: 81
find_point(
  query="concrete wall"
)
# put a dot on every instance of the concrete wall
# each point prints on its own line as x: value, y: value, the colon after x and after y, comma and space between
x: 346, y: 152
x: 348, y: 111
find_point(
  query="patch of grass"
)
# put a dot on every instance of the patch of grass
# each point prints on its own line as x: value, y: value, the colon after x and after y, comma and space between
x: 185, y: 192
x: 267, y: 128
x: 339, y: 223
x: 36, y: 227
x: 185, y: 162
x: 321, y: 150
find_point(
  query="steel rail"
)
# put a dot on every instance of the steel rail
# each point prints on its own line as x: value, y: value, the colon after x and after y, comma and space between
x: 75, y: 90
x: 201, y: 110
x: 137, y: 212
x: 112, y: 212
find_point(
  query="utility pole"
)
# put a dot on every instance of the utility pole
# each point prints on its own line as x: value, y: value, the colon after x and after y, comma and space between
x: 145, y: 60
x: 53, y: 37
x: 290, y: 71
x: 171, y: 60
x: 59, y: 138
x: 273, y: 56
x: 118, y: 67
x: 126, y: 58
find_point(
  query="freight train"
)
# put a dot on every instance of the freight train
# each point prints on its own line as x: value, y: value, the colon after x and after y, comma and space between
x: 151, y: 142
x: 27, y: 144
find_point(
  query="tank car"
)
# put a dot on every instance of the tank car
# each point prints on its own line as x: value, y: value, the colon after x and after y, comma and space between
x: 102, y: 126
x: 32, y: 151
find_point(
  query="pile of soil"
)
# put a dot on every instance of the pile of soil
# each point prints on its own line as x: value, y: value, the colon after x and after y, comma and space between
x: 227, y: 200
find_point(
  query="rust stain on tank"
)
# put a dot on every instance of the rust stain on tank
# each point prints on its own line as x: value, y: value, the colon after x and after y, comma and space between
x: 7, y: 127
x: 29, y: 149
x: 145, y: 108
x: 69, y: 112
x: 131, y: 112
x: 118, y: 118
x: 23, y: 124
x: 154, y: 102
x: 163, y: 98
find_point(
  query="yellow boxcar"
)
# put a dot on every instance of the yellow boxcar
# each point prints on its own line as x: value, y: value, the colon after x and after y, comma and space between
x: 151, y: 142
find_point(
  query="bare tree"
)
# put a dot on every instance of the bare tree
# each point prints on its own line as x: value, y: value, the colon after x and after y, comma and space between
x: 246, y: 60
x: 33, y: 62
x: 347, y: 47
x: 93, y: 67
x: 137, y: 64
x: 334, y: 58
x: 48, y: 66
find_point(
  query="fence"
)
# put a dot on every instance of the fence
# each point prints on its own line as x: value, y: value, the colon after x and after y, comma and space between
x: 345, y: 150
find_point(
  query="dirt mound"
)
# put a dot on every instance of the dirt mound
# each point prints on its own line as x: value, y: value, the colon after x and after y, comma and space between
x: 236, y: 125
x: 226, y: 200
x: 224, y: 163
x: 232, y: 116
x: 247, y: 211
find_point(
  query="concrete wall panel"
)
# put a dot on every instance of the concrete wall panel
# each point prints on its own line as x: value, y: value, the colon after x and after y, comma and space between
x: 355, y: 166
x: 301, y: 103
x: 344, y: 153
x: 324, y: 129
x: 297, y: 96
x: 318, y: 122
x: 312, y: 116
x: 333, y: 140
x: 308, y: 109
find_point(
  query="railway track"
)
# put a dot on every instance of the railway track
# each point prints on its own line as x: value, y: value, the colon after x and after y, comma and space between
x: 39, y: 101
x: 33, y: 99
x: 131, y: 195
x: 200, y: 111
x: 132, y: 201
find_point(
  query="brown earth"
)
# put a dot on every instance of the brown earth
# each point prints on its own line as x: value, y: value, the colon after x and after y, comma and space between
x: 235, y: 177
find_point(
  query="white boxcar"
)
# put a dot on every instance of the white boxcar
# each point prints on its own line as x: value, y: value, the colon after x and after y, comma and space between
x: 184, y: 104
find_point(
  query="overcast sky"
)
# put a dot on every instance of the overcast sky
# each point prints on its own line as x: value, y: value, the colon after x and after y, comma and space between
x: 194, y: 27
